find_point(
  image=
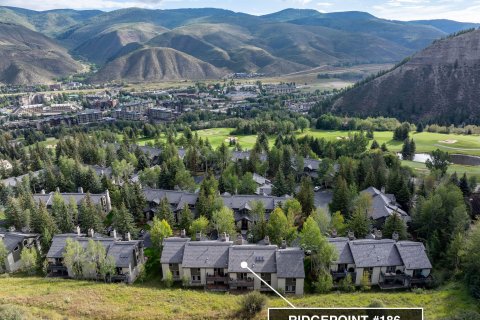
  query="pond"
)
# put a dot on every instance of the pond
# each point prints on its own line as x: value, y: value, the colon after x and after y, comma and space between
x: 461, y: 159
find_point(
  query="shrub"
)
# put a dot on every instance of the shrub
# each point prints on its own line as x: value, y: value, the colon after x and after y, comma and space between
x: 11, y: 313
x: 168, y: 280
x: 464, y: 315
x: 346, y: 284
x: 252, y: 303
x: 376, y: 304
x: 365, y: 282
x: 324, y: 283
x: 29, y: 257
x: 185, y: 281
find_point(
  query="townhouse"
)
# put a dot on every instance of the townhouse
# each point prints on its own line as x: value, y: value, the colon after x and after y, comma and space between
x: 128, y: 255
x: 240, y: 204
x: 383, y: 206
x: 216, y: 265
x: 15, y: 242
x: 387, y: 263
x: 101, y: 199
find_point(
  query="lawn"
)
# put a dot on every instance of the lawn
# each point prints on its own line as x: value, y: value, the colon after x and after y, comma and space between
x: 60, y: 299
x: 425, y: 141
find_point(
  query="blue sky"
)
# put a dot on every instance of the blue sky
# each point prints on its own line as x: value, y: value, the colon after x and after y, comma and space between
x: 460, y: 10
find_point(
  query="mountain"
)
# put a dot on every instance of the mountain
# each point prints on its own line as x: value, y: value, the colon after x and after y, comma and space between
x: 28, y: 57
x: 439, y: 84
x: 288, y: 41
x: 51, y: 22
x: 156, y: 64
x: 447, y: 26
x: 112, y: 42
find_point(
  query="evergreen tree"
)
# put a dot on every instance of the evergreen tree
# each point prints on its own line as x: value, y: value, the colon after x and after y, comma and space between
x: 464, y: 185
x: 359, y: 223
x: 44, y: 224
x: 165, y: 212
x: 122, y: 220
x: 61, y: 214
x: 342, y: 197
x: 90, y: 216
x: 394, y: 223
x: 186, y: 218
x: 306, y: 197
x: 374, y: 145
x: 259, y: 229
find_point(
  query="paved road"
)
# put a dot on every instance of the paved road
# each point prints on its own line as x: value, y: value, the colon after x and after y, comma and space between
x: 323, y: 198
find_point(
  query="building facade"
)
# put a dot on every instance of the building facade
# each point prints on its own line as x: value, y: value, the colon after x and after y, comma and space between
x: 216, y: 265
x: 387, y: 263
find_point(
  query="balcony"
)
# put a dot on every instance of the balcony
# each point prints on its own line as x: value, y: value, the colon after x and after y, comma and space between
x: 241, y: 283
x: 342, y: 275
x: 217, y: 278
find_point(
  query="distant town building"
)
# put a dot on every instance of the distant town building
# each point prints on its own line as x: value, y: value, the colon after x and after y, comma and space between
x: 89, y: 116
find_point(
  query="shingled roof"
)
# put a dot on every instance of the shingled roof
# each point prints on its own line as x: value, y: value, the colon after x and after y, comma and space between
x: 47, y: 199
x: 12, y: 239
x: 259, y: 258
x: 123, y: 252
x: 375, y: 253
x: 206, y: 254
x: 343, y: 250
x: 173, y: 249
x: 290, y: 263
x: 384, y: 205
x: 58, y: 245
x: 413, y: 255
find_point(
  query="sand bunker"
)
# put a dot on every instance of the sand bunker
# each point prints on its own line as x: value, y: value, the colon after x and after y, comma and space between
x: 448, y: 141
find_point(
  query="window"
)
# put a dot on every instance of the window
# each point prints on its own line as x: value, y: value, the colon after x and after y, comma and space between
x: 417, y: 273
x: 195, y: 274
x: 290, y: 285
x: 241, y: 276
x: 391, y: 269
x: 342, y: 267
x: 16, y: 249
x: 174, y: 269
x: 267, y: 277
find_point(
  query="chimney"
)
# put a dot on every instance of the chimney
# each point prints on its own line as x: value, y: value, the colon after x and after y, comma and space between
x: 395, y: 236
x: 378, y: 234
x: 382, y: 189
x: 11, y: 229
x: 80, y: 189
x: 266, y: 240
x: 92, y: 233
x: 239, y: 240
x: 333, y: 234
x: 224, y: 237
x: 42, y: 191
x: 77, y: 229
x: 183, y: 233
x: 198, y: 236
x: 351, y: 235
x: 284, y: 244
x: 129, y: 237
x: 114, y: 234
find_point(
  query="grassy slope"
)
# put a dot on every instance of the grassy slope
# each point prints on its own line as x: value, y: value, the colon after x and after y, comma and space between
x: 57, y: 299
